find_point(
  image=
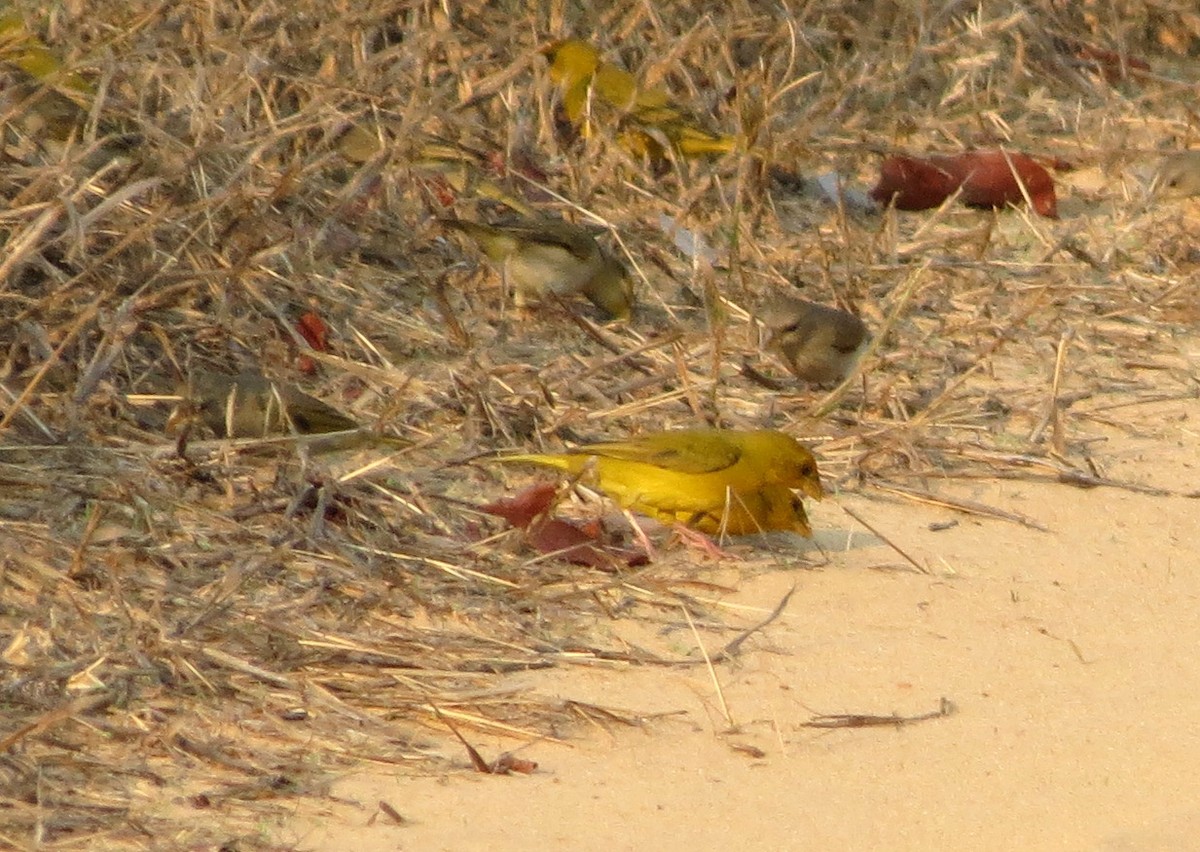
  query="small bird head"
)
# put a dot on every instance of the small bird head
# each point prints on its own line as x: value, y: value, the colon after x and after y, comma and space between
x: 799, y: 470
x: 571, y: 60
x: 788, y: 462
x: 611, y: 289
x: 1179, y: 175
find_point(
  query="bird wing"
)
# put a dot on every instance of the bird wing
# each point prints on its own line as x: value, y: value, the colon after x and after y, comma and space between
x: 684, y: 451
x: 500, y: 241
x: 804, y: 321
x: 497, y: 243
x: 548, y: 232
x: 850, y: 333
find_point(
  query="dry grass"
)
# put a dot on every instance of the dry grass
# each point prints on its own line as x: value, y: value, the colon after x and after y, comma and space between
x: 233, y: 626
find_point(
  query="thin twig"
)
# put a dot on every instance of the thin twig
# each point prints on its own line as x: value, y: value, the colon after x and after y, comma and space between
x: 866, y: 720
x: 733, y: 646
x: 885, y: 540
x: 712, y: 672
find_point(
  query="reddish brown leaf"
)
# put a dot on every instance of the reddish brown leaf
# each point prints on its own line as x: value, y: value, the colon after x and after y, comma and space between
x: 986, y: 179
x: 1108, y: 64
x: 573, y: 543
x: 911, y: 183
x: 520, y: 510
x: 314, y: 331
x: 578, y: 543
x: 554, y: 535
x: 507, y: 763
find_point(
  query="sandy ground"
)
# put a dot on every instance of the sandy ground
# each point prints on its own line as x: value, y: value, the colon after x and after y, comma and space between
x: 1068, y: 654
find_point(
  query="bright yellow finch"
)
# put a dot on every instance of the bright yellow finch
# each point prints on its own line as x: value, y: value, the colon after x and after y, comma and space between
x: 714, y: 480
x: 642, y: 116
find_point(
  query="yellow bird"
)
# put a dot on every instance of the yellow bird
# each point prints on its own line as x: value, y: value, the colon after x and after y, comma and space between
x: 714, y: 480
x: 643, y: 116
x: 819, y: 344
x: 46, y: 104
x: 51, y: 102
x: 542, y: 256
x: 22, y: 48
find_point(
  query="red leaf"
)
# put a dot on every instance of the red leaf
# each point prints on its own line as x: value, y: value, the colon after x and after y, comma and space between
x: 554, y: 535
x: 521, y: 509
x: 986, y: 178
x: 576, y: 543
x: 314, y: 331
x: 911, y: 183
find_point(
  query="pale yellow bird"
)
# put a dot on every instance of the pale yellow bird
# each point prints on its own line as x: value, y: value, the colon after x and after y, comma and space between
x: 538, y: 257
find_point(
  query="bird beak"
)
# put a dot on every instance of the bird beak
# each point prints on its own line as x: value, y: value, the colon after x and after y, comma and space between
x: 814, y: 489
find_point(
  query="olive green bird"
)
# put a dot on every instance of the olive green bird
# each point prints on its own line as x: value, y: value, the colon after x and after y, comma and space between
x: 43, y: 100
x: 541, y: 257
x: 250, y: 405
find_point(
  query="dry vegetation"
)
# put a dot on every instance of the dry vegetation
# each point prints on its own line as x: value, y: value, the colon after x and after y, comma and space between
x: 225, y: 629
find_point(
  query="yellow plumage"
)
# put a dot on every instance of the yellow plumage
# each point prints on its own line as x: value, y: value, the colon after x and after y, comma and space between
x: 711, y: 479
x: 642, y: 118
x: 22, y: 48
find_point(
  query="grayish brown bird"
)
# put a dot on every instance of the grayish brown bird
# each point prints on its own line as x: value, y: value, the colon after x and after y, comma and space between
x: 1179, y: 174
x: 538, y: 257
x: 819, y: 344
x: 250, y: 405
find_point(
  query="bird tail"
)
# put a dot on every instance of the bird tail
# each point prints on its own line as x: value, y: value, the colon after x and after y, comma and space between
x: 568, y: 463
